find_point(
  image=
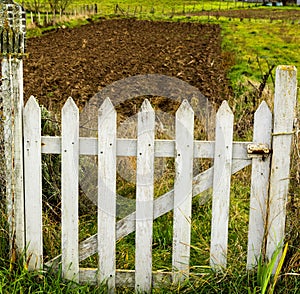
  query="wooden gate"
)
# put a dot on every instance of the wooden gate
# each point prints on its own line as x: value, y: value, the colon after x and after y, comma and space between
x: 268, y: 153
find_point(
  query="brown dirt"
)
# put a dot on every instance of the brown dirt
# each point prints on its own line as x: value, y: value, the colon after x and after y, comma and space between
x: 80, y: 62
x: 271, y: 13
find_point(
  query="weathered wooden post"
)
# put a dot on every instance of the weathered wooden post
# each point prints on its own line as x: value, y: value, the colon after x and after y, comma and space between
x: 284, y: 114
x: 12, y: 48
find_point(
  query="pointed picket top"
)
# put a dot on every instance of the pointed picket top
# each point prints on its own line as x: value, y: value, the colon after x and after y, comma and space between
x: 263, y: 115
x: 183, y: 109
x: 224, y: 110
x: 184, y: 120
x: 32, y: 112
x: 146, y: 120
x: 263, y: 107
x: 31, y: 104
x: 106, y: 107
x: 263, y: 110
x: 146, y: 106
x: 70, y: 104
x: 107, y: 115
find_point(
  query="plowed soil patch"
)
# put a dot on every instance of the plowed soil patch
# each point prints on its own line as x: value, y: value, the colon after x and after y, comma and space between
x: 272, y: 14
x: 80, y: 62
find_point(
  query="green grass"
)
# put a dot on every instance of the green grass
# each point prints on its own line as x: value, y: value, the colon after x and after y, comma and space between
x: 20, y: 280
x: 155, y: 6
x: 256, y: 46
x: 260, y: 44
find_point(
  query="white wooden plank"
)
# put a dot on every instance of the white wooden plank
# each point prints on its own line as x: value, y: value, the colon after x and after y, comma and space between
x: 260, y: 173
x: 221, y: 187
x: 183, y: 187
x: 284, y: 108
x: 144, y: 198
x: 127, y: 147
x: 125, y: 278
x: 33, y: 184
x: 162, y: 205
x: 107, y: 130
x: 69, y: 182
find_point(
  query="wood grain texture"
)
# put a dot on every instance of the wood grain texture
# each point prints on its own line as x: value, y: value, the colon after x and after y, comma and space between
x: 128, y: 147
x: 183, y: 191
x: 262, y: 131
x: 33, y: 184
x: 69, y: 190
x: 107, y: 132
x: 284, y: 113
x: 144, y: 198
x: 221, y: 187
x: 12, y: 102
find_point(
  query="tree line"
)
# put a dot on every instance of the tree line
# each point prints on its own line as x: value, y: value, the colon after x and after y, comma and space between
x: 56, y: 6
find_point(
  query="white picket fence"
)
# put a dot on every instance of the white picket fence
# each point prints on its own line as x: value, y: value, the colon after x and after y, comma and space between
x: 268, y: 154
x: 24, y: 145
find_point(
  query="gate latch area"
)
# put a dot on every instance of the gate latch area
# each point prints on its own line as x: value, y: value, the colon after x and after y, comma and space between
x: 258, y: 150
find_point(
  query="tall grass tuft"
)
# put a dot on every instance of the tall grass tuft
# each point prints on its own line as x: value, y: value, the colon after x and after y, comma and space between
x: 265, y: 270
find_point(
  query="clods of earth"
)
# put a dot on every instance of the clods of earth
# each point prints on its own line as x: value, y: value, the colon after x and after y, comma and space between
x: 81, y: 62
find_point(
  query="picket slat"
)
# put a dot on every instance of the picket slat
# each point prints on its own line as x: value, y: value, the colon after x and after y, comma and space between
x: 144, y: 198
x: 33, y: 184
x: 107, y: 131
x: 262, y: 130
x: 183, y: 187
x: 69, y: 190
x: 221, y: 187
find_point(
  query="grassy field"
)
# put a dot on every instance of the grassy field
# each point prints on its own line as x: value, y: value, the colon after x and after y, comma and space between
x: 257, y: 47
x: 155, y: 7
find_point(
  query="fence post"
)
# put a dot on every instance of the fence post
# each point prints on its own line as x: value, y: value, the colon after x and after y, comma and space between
x: 12, y: 47
x: 284, y: 114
